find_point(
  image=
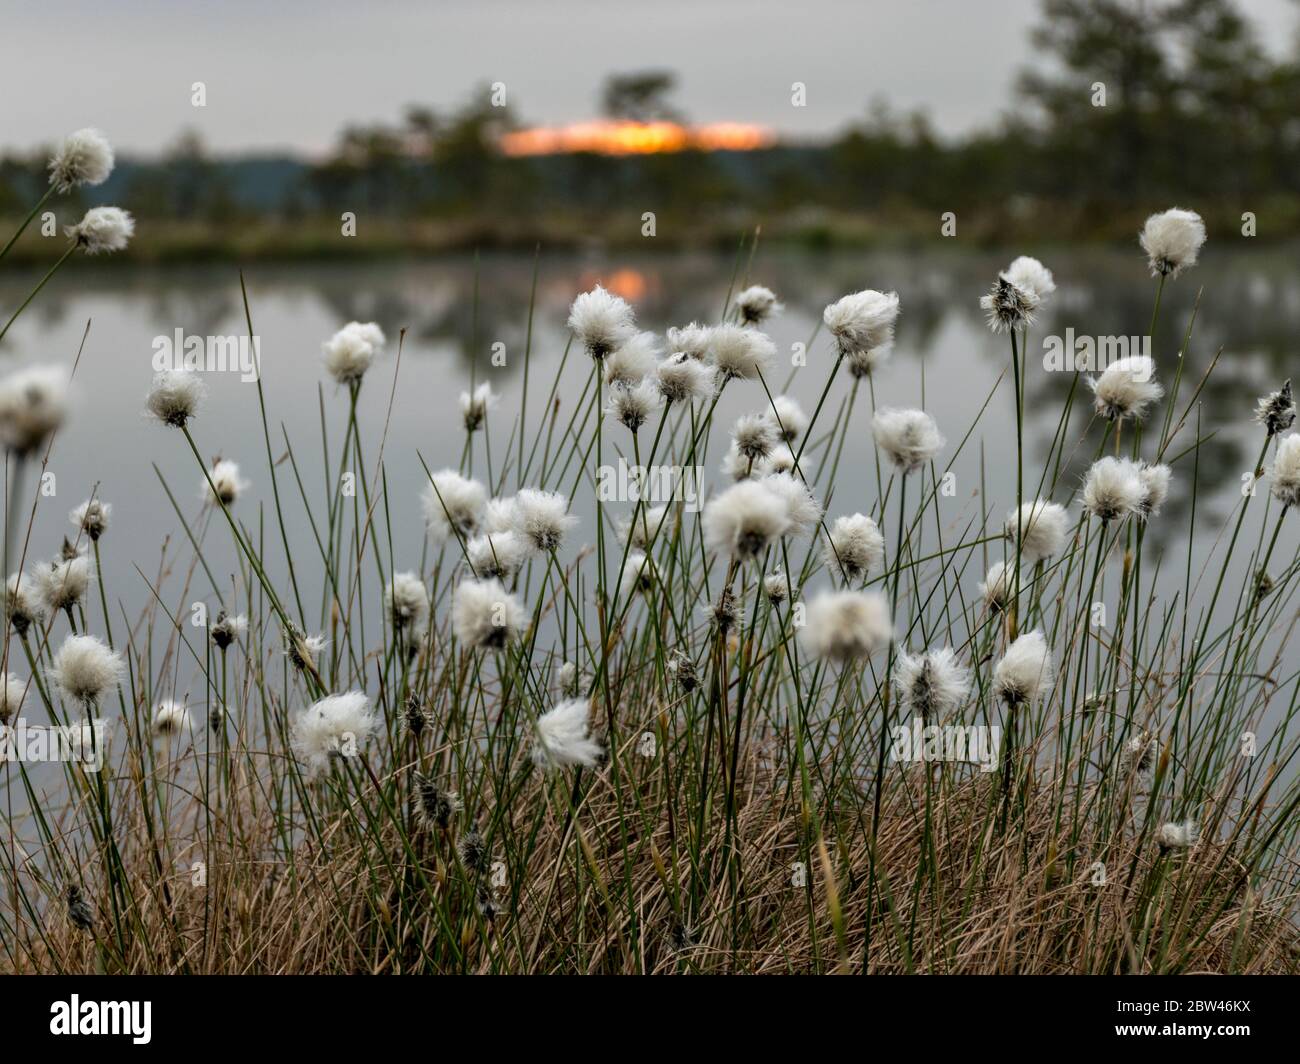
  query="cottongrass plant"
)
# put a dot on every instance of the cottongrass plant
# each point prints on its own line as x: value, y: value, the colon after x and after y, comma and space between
x: 544, y: 744
x: 223, y: 484
x: 862, y: 324
x: 1126, y: 388
x: 82, y: 159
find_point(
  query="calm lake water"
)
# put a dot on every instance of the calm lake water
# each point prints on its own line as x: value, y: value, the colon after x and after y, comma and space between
x: 945, y: 359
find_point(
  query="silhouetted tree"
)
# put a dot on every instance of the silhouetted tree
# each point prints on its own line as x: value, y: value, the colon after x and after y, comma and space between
x: 640, y: 97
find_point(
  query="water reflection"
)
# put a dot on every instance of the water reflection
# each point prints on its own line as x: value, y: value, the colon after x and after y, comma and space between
x: 454, y: 310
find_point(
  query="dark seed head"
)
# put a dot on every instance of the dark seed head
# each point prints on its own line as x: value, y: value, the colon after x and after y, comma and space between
x: 222, y: 631
x: 683, y: 669
x: 437, y: 806
x: 1276, y: 411
x: 681, y: 937
x: 475, y: 854
x: 79, y: 909
x: 725, y: 612
x: 417, y: 717
x: 485, y: 903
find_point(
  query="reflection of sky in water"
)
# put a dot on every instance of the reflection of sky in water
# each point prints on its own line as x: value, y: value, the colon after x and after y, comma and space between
x: 1250, y: 307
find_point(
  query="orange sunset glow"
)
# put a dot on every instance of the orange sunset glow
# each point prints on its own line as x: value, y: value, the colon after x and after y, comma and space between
x: 635, y: 138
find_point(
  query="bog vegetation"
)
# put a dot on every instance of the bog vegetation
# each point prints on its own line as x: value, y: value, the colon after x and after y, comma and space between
x: 771, y: 734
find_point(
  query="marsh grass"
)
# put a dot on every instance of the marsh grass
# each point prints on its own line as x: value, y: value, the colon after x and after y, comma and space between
x: 216, y: 852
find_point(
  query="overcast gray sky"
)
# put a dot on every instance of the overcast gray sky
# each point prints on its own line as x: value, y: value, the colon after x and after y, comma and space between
x: 289, y: 74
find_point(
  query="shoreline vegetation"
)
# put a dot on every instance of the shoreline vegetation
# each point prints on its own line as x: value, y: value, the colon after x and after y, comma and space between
x: 320, y: 239
x: 826, y: 723
x: 1126, y: 108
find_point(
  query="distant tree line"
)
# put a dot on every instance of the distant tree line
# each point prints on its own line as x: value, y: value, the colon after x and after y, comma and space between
x: 1130, y: 102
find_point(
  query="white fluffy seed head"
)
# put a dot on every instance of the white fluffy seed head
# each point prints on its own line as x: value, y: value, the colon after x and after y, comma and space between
x: 844, y: 625
x: 756, y: 303
x: 453, y: 505
x: 499, y: 515
x: 787, y: 418
x: 801, y: 506
x: 744, y: 520
x: 863, y: 326
x: 564, y: 737
x: 632, y: 406
x: 484, y: 614
x: 741, y: 352
x: 174, y: 396
x: 1009, y: 306
x: 102, y: 229
x: 1285, y: 473
x: 83, y: 158
x: 1155, y: 487
x: 1172, y: 241
x: 691, y: 340
x: 91, y: 517
x: 782, y: 460
x: 1025, y: 672
x: 1126, y: 388
x: 1042, y: 526
x: 1030, y: 275
x: 601, y: 321
x: 998, y: 586
x: 775, y: 587
x: 754, y: 436
x: 474, y: 406
x: 336, y: 726
x: 85, y: 668
x: 855, y: 547
x: 13, y: 690
x: 636, y: 575
x: 63, y: 583
x: 866, y: 363
x: 496, y: 554
x: 33, y: 406
x: 224, y: 484
x: 542, y: 518
x: 406, y: 601
x: 685, y: 379
x: 172, y: 719
x: 1179, y: 834
x: 909, y: 437
x: 566, y: 675
x: 633, y: 360
x: 1112, y: 489
x: 352, y: 350
x: 22, y: 602
x: 639, y: 533
x: 932, y: 684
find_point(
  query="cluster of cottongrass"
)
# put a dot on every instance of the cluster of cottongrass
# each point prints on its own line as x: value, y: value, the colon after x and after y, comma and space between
x: 486, y: 755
